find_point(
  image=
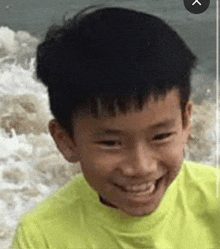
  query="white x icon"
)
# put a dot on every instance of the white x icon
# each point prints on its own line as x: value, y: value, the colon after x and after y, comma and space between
x: 197, y: 1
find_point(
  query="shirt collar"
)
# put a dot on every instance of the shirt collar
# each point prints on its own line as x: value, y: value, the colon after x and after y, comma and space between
x: 105, y: 202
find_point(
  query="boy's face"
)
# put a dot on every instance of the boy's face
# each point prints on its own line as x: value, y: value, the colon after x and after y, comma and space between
x: 130, y: 159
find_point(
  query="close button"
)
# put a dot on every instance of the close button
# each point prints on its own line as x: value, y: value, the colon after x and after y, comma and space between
x: 196, y: 6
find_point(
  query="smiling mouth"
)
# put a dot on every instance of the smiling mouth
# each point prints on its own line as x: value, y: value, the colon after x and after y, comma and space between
x: 146, y: 188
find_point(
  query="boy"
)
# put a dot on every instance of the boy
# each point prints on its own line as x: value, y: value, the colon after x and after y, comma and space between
x: 119, y: 87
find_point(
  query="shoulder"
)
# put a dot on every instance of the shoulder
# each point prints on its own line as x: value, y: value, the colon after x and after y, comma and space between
x: 197, y: 171
x: 198, y: 186
x: 57, y: 214
x: 199, y: 174
x: 66, y: 196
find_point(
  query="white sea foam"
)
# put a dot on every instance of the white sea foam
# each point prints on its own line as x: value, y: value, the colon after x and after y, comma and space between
x: 30, y: 164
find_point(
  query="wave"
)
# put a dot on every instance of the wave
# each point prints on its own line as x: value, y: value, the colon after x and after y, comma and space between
x: 18, y: 46
x: 30, y: 165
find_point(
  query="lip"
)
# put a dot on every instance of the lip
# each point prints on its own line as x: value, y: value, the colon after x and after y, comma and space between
x: 123, y: 186
x: 149, y: 196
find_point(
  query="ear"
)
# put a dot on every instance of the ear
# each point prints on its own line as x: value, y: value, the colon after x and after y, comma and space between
x: 64, y: 143
x: 187, y: 119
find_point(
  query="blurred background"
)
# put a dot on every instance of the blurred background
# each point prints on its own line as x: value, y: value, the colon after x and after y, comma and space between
x: 31, y: 167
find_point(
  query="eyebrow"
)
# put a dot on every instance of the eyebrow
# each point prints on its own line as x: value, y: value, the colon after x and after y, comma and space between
x: 163, y: 124
x: 166, y: 123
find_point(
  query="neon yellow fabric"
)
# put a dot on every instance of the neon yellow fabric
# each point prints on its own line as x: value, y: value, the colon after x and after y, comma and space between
x: 188, y: 217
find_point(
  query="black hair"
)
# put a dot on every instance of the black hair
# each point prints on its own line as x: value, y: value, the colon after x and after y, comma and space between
x: 110, y: 57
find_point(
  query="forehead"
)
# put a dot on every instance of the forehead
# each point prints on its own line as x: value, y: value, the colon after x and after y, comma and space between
x: 164, y: 112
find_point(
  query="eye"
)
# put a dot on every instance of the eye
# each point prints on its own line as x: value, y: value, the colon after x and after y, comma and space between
x: 163, y: 137
x: 110, y: 143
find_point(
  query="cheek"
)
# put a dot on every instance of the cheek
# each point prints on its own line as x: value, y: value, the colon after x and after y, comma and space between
x: 96, y: 167
x: 172, y: 156
x: 97, y: 160
x: 97, y: 173
x: 176, y: 157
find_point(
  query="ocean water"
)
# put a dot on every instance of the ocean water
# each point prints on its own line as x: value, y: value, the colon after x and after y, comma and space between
x: 31, y: 167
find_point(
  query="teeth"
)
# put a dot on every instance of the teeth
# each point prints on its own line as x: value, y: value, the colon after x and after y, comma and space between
x: 142, y: 187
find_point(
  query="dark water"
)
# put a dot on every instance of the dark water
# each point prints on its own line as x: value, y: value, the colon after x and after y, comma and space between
x: 34, y: 16
x: 199, y: 31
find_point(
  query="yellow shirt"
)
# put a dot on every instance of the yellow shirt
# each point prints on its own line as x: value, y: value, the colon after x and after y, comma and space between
x: 188, y: 217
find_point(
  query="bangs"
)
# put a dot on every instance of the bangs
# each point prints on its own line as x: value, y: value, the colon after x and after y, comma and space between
x: 112, y: 105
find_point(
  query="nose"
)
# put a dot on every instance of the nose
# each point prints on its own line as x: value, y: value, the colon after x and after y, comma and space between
x: 140, y: 162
